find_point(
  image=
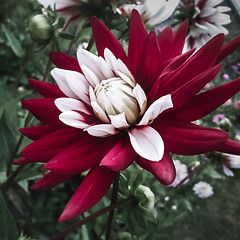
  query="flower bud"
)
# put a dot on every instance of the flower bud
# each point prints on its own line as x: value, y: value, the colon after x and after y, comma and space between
x: 40, y: 29
x: 145, y: 196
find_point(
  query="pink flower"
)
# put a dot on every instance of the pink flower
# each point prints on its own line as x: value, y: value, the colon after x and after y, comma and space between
x: 109, y: 110
x: 237, y: 104
x: 181, y: 173
x: 228, y: 102
x: 219, y: 118
x: 225, y: 76
x: 230, y: 161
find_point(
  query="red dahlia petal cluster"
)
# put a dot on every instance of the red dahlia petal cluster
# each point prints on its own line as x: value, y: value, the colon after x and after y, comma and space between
x: 88, y: 131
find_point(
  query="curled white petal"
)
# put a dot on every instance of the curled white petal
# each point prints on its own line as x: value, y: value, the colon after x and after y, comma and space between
x: 156, y: 108
x: 119, y: 121
x: 140, y: 95
x: 59, y: 76
x: 90, y: 76
x: 69, y: 104
x: 227, y: 171
x: 147, y: 142
x: 99, y: 112
x: 73, y: 119
x: 101, y: 130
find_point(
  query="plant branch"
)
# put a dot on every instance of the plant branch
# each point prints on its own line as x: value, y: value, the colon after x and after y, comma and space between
x: 90, y: 44
x: 78, y: 224
x: 113, y: 200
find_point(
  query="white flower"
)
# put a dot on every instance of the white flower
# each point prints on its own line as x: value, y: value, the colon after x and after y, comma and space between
x: 181, y: 173
x: 207, y: 21
x: 231, y: 161
x: 203, y: 189
x: 153, y: 12
x: 105, y: 100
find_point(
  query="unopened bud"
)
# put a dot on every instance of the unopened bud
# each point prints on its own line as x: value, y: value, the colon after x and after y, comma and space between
x: 40, y: 29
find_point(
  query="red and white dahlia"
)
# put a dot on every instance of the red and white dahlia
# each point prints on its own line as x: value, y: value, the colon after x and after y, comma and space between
x: 110, y: 110
x: 207, y: 20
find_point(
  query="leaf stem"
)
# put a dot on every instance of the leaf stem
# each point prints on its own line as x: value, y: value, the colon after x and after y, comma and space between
x: 78, y: 224
x: 113, y: 200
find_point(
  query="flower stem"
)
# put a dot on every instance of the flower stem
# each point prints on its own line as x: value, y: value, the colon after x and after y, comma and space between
x: 78, y: 224
x: 113, y: 200
x: 25, y: 65
x: 90, y: 43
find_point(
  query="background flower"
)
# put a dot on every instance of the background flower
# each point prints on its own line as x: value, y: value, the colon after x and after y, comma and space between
x: 203, y: 189
x: 230, y: 161
x: 181, y: 173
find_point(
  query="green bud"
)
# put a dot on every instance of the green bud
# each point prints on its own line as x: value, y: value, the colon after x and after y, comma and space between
x: 40, y: 29
x: 145, y: 197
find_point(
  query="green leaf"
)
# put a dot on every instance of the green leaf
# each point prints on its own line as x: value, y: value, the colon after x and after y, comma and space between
x: 8, y: 228
x: 13, y: 42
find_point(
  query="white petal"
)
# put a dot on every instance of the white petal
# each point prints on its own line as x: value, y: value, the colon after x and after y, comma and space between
x: 227, y: 171
x: 99, y: 112
x: 91, y: 61
x: 126, y: 79
x: 109, y: 57
x: 92, y: 94
x: 73, y: 119
x: 90, y: 76
x: 68, y: 104
x: 147, y: 142
x: 59, y: 76
x: 119, y: 121
x: 106, y: 69
x: 78, y: 85
x: 101, y: 130
x: 140, y: 95
x: 156, y: 108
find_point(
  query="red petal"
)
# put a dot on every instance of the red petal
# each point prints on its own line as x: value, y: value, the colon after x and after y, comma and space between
x: 228, y: 49
x: 79, y: 157
x: 50, y: 179
x: 184, y: 138
x: 165, y: 43
x: 179, y: 39
x: 37, y: 132
x: 49, y: 146
x: 120, y: 156
x: 199, y: 62
x: 163, y: 170
x: 22, y: 161
x: 206, y: 102
x: 231, y: 147
x: 105, y: 39
x: 44, y: 110
x: 191, y: 88
x: 92, y: 189
x: 148, y: 70
x: 64, y: 61
x: 47, y: 90
x: 137, y: 37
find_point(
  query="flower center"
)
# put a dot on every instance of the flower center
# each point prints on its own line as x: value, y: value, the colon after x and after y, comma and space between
x: 115, y: 96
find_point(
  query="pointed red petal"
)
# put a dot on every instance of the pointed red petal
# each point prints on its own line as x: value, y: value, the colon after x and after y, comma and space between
x: 184, y: 138
x: 49, y: 180
x: 165, y: 43
x: 22, y: 161
x: 148, y: 70
x: 47, y: 90
x: 227, y: 49
x: 104, y: 38
x: 37, y: 132
x: 231, y: 147
x: 163, y: 170
x: 79, y: 157
x: 206, y: 102
x: 49, y: 146
x: 191, y: 88
x: 64, y: 61
x: 91, y: 190
x: 199, y: 62
x: 44, y: 110
x: 137, y: 37
x: 120, y: 156
x: 179, y: 39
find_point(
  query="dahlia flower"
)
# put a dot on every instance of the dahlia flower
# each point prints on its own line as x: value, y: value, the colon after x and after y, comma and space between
x: 153, y: 12
x: 203, y: 189
x: 73, y: 10
x: 207, y: 20
x: 110, y: 110
x: 230, y: 161
x: 181, y: 173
